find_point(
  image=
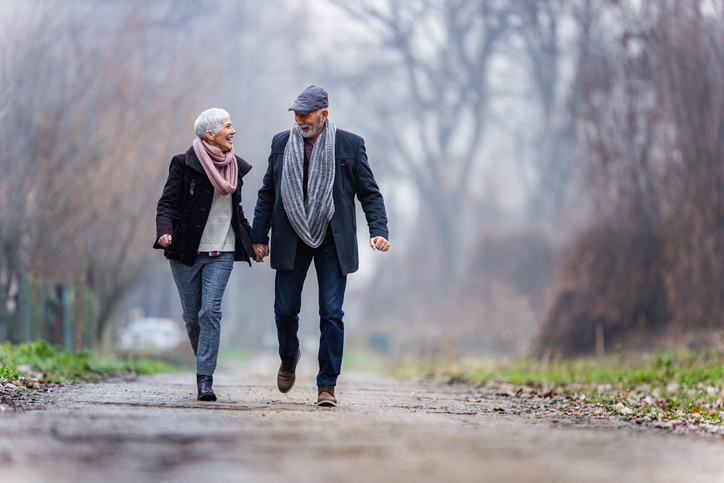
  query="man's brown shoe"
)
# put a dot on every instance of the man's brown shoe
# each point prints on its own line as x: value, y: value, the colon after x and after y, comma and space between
x: 326, y: 396
x: 286, y: 376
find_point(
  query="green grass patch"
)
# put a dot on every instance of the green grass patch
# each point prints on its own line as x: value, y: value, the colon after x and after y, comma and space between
x: 675, y: 384
x: 7, y: 373
x: 56, y: 365
x: 145, y: 367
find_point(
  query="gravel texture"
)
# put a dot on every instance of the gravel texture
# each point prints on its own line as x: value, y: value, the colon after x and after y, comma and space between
x: 153, y: 429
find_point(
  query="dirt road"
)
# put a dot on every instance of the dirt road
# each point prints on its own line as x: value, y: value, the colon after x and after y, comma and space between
x: 153, y: 429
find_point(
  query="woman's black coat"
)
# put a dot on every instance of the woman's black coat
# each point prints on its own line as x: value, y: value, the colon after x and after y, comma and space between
x: 184, y: 208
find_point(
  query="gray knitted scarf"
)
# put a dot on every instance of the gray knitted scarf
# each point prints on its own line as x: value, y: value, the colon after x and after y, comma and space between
x: 309, y: 219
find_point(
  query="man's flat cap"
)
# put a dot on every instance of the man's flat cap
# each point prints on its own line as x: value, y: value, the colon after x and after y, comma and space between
x: 311, y: 99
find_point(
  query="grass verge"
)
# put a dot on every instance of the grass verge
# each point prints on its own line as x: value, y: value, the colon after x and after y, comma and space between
x: 45, y: 362
x: 678, y: 384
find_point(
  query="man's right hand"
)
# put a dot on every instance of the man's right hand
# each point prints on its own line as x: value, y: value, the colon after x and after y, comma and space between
x: 165, y: 240
x: 262, y: 250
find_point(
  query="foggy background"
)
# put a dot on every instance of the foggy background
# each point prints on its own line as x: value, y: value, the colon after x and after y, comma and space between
x: 552, y: 170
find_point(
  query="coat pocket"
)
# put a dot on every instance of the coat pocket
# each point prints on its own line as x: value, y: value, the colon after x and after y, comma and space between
x: 175, y: 251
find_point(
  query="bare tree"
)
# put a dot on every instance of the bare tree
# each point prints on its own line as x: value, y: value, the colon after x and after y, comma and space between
x: 651, y: 265
x: 86, y: 119
x: 95, y: 98
x: 434, y: 102
x: 547, y: 173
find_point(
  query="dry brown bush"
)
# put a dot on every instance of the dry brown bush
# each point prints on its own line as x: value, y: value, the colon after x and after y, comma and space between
x: 651, y: 264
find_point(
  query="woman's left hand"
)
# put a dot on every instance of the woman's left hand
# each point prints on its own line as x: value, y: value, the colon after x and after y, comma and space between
x: 165, y: 240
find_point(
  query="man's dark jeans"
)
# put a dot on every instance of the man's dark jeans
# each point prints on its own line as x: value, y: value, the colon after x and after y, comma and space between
x: 288, y: 302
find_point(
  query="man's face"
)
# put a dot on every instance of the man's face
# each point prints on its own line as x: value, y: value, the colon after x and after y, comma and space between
x: 310, y: 123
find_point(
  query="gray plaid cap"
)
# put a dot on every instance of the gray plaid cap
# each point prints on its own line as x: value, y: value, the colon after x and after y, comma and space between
x: 311, y: 99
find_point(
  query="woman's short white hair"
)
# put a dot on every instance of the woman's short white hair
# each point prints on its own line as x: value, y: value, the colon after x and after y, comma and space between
x: 209, y: 120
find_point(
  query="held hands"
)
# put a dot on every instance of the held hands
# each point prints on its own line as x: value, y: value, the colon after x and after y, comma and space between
x: 379, y: 243
x: 261, y: 250
x: 165, y: 240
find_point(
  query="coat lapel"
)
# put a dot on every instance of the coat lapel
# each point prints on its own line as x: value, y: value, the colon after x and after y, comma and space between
x: 244, y: 167
x: 193, y: 162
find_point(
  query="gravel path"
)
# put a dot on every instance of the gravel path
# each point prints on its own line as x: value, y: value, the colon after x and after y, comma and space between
x: 153, y: 429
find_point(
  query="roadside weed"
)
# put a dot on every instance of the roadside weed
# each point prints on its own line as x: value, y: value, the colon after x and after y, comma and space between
x: 678, y: 384
x: 52, y: 364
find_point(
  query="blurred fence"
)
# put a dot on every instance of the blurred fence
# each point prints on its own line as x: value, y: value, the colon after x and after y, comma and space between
x: 60, y: 314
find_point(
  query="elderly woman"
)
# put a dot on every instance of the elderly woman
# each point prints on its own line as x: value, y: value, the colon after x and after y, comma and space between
x: 201, y: 227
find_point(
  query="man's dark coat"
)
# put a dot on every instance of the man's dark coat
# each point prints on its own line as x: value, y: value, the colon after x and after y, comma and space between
x: 352, y: 176
x: 184, y: 208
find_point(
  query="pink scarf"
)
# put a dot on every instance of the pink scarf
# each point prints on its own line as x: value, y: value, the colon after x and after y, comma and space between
x: 226, y: 176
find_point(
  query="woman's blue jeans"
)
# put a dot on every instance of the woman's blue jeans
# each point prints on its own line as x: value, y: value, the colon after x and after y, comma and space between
x: 288, y: 303
x: 201, y: 287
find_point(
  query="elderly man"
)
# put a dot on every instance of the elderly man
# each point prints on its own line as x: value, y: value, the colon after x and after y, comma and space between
x: 307, y: 199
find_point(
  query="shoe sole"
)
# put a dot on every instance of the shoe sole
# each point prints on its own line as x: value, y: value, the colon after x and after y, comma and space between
x: 328, y: 404
x: 207, y: 397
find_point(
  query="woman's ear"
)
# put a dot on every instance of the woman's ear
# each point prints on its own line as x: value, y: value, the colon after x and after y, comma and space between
x: 210, y: 136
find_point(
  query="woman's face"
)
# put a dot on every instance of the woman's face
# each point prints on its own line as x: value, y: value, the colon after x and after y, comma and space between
x: 223, y: 140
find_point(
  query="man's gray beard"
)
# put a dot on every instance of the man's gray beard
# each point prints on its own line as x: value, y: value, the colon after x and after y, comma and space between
x: 312, y: 129
x: 311, y: 132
